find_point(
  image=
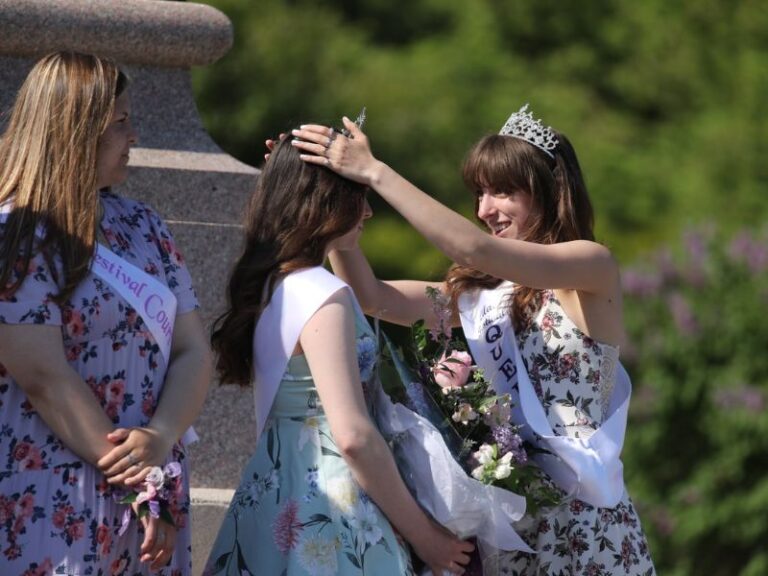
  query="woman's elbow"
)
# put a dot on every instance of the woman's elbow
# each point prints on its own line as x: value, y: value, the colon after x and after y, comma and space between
x: 471, y: 251
x: 356, y: 441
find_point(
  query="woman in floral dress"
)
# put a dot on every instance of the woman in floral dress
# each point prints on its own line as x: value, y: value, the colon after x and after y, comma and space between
x: 558, y: 290
x: 321, y: 495
x: 92, y: 395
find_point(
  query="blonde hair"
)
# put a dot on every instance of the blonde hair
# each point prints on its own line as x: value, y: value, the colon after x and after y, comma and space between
x: 48, y: 159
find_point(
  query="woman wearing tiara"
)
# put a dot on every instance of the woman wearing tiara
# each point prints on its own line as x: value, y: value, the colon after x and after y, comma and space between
x: 322, y: 494
x: 540, y: 303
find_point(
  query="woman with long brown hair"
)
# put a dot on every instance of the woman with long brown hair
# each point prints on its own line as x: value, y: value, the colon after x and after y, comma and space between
x: 321, y: 495
x: 540, y: 304
x: 103, y: 360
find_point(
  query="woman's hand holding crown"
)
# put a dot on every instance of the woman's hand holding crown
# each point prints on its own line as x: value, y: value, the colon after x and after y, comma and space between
x: 350, y: 156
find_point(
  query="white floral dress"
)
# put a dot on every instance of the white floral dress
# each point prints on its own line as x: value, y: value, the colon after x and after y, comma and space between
x: 57, y: 513
x: 574, y: 376
x: 298, y: 510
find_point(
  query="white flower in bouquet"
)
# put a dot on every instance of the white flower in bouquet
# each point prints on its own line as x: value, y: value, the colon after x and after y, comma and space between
x: 490, y: 465
x: 156, y: 477
x: 465, y: 414
x: 503, y: 467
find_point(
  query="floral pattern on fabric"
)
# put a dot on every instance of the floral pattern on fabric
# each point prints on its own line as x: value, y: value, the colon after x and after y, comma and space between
x: 57, y: 513
x: 298, y: 509
x: 573, y: 376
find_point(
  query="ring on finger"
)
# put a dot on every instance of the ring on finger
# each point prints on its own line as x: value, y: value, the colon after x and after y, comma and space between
x: 131, y: 459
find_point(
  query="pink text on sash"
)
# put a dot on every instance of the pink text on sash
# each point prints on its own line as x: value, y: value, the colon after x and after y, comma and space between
x: 152, y: 303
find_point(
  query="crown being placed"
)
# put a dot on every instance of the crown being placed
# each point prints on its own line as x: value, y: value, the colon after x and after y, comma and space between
x: 359, y: 121
x: 522, y: 125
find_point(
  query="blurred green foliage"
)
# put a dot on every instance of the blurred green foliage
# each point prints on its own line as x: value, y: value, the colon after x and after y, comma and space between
x: 696, y: 453
x: 664, y: 101
x: 665, y: 104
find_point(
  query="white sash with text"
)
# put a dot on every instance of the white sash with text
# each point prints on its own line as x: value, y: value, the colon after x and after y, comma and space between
x: 152, y: 299
x: 589, y: 469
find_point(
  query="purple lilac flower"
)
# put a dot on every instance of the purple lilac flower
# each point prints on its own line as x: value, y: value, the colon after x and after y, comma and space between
x: 641, y: 284
x: 740, y: 246
x: 441, y: 310
x: 682, y: 314
x: 696, y: 246
x: 748, y: 398
x: 744, y: 248
x: 666, y: 266
x: 758, y: 259
x: 509, y: 441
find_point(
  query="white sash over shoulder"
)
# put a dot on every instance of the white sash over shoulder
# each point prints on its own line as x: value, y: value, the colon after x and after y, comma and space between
x: 589, y: 469
x: 152, y: 299
x: 295, y: 300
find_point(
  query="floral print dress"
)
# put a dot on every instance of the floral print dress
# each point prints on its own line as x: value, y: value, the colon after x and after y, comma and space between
x: 57, y: 513
x: 298, y: 510
x: 574, y: 376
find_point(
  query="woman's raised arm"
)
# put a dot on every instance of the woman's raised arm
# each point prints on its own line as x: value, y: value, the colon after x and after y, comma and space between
x: 397, y: 301
x: 579, y: 265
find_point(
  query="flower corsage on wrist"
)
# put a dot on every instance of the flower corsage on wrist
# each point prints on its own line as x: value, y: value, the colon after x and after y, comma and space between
x: 153, y: 496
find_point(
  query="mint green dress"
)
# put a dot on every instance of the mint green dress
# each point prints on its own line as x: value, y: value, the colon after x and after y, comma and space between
x: 298, y: 510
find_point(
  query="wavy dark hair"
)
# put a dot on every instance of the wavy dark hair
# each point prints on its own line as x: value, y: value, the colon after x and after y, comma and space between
x: 296, y: 210
x: 48, y: 166
x: 560, y: 206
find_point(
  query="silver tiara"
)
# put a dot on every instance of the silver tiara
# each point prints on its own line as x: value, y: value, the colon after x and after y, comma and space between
x: 359, y: 121
x: 522, y: 125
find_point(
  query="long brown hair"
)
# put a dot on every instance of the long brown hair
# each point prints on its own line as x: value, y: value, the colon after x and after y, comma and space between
x: 560, y: 206
x: 48, y: 166
x: 296, y: 210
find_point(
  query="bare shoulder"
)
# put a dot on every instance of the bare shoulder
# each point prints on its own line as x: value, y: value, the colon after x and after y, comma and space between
x: 331, y: 318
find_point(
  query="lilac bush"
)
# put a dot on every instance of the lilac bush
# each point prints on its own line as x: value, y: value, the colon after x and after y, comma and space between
x: 697, y: 449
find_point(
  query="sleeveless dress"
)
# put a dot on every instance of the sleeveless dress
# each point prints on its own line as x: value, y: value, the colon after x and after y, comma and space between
x: 298, y: 510
x: 57, y: 513
x: 573, y: 376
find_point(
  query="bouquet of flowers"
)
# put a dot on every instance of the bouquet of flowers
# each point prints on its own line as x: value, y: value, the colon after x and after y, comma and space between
x: 432, y: 449
x: 154, y: 495
x: 474, y: 419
